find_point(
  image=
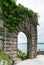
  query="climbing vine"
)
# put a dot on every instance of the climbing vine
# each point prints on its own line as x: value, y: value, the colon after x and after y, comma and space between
x: 12, y: 14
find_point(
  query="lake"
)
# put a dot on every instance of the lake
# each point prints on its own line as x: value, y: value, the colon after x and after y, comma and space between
x: 23, y: 47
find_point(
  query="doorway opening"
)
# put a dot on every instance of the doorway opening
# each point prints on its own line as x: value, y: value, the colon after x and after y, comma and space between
x: 22, y: 42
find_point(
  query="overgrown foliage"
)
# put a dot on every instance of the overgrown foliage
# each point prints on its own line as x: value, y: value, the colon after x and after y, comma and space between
x: 12, y: 14
x: 3, y: 56
x: 21, y: 55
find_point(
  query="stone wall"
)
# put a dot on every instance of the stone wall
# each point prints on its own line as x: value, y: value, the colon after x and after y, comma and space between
x: 40, y: 52
x: 1, y: 34
x: 10, y: 45
x: 1, y: 42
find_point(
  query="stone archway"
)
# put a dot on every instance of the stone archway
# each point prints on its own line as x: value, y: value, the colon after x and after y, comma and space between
x: 10, y: 39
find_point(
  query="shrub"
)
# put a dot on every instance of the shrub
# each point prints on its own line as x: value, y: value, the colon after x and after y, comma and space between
x: 3, y: 56
x: 21, y: 55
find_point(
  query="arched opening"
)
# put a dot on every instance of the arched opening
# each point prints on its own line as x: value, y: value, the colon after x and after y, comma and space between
x: 22, y: 42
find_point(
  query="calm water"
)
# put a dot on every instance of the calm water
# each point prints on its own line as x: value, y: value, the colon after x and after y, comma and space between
x: 23, y: 47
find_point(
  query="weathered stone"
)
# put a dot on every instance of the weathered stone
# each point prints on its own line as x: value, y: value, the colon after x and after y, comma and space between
x: 10, y: 39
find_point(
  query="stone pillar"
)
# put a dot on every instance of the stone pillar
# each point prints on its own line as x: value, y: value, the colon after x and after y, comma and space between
x: 29, y: 46
x: 34, y: 41
x: 29, y: 41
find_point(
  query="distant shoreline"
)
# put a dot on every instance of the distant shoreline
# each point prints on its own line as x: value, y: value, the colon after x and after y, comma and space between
x: 23, y: 46
x: 26, y: 43
x: 40, y: 43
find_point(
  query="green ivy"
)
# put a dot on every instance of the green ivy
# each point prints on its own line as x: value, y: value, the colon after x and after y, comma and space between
x: 13, y: 14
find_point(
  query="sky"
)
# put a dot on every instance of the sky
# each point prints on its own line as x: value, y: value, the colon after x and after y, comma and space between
x: 36, y: 6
